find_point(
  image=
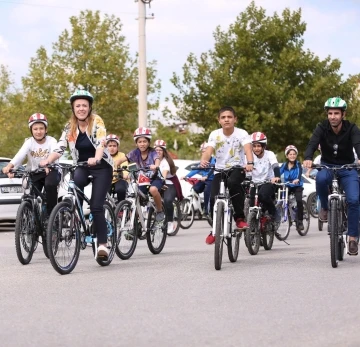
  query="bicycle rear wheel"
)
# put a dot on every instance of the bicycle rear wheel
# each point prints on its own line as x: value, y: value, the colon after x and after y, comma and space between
x: 252, y: 234
x: 312, y: 205
x: 111, y: 235
x: 333, y: 230
x: 25, y: 236
x: 187, y: 214
x: 176, y: 220
x: 63, y: 238
x: 156, y: 232
x: 126, y: 235
x: 233, y: 242
x: 219, y: 236
x: 306, y: 220
x: 282, y: 228
x: 320, y: 225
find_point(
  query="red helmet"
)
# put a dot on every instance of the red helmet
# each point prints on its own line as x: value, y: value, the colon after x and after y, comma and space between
x: 112, y: 137
x: 259, y: 138
x: 203, y: 146
x: 37, y: 118
x: 142, y: 132
x: 289, y: 148
x: 160, y: 143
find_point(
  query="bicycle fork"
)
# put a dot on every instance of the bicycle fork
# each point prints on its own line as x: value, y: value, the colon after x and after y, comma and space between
x: 226, y: 216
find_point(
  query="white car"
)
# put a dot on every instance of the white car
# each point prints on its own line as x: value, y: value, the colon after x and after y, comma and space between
x: 10, y: 194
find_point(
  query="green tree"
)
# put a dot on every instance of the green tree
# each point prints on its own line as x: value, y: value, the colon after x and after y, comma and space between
x: 92, y: 55
x: 259, y: 67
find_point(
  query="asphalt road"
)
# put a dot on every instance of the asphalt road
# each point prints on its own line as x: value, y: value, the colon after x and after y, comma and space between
x: 289, y: 296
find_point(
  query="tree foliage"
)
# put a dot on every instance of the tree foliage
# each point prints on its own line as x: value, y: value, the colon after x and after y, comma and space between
x: 260, y: 67
x: 92, y: 55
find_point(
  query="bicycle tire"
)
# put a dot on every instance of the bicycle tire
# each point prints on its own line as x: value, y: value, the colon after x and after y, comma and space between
x: 306, y: 220
x: 219, y: 236
x: 333, y: 230
x: 312, y: 205
x: 63, y: 231
x: 111, y: 235
x: 320, y: 225
x: 252, y: 234
x: 268, y: 235
x: 126, y: 240
x: 187, y: 219
x: 341, y: 250
x: 233, y: 242
x: 25, y: 237
x: 153, y: 230
x: 283, y: 226
x: 177, y: 219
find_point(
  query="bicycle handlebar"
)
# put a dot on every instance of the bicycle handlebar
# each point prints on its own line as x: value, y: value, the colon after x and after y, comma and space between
x: 336, y: 168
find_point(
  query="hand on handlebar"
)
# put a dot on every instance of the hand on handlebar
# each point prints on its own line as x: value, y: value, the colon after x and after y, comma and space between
x: 204, y: 163
x: 275, y: 179
x: 307, y: 164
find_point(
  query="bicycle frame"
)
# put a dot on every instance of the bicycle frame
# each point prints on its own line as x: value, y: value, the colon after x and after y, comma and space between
x: 223, y: 198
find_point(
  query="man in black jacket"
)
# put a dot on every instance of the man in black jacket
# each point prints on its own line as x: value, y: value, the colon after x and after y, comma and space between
x: 337, y: 138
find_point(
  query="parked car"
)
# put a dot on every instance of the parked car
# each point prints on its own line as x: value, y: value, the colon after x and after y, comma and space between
x: 11, y: 191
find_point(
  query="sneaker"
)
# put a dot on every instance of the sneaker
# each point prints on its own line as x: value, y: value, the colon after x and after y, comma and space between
x: 323, y: 215
x: 353, y: 248
x: 170, y: 228
x: 300, y: 225
x: 160, y: 216
x: 210, y: 239
x: 102, y: 252
x: 241, y: 224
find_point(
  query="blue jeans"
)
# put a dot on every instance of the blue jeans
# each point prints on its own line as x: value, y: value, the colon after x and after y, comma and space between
x: 204, y: 186
x: 350, y: 183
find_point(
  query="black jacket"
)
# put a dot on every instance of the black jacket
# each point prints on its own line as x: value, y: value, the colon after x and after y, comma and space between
x: 335, y: 148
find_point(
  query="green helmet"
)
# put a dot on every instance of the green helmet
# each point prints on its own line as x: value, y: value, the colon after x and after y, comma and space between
x: 335, y: 102
x: 81, y: 94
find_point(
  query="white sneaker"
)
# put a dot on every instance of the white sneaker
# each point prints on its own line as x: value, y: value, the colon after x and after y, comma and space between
x: 170, y: 227
x: 102, y: 252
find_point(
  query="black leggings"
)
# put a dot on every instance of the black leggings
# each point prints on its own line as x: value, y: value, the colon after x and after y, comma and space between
x: 102, y: 177
x: 119, y: 188
x: 233, y: 182
x: 51, y: 182
x: 266, y: 196
x: 298, y: 196
x: 169, y: 197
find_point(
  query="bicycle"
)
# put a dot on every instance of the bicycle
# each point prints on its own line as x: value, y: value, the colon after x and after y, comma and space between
x: 68, y: 230
x: 261, y: 229
x: 190, y: 205
x: 30, y: 218
x: 222, y: 227
x: 287, y: 209
x: 337, y: 214
x: 136, y: 219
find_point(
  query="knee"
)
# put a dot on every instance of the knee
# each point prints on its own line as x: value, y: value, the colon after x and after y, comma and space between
x: 153, y: 191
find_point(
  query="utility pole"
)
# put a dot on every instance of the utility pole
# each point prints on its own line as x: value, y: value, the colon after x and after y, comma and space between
x: 142, y: 117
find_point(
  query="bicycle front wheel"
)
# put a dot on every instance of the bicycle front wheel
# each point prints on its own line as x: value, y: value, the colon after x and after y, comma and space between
x: 126, y: 234
x: 156, y: 231
x: 282, y: 228
x: 111, y: 235
x: 333, y: 230
x: 25, y: 236
x: 176, y: 220
x: 219, y: 236
x: 252, y: 234
x: 187, y: 214
x: 306, y: 220
x: 63, y: 238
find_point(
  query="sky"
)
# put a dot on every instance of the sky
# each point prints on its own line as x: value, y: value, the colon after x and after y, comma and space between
x: 178, y: 28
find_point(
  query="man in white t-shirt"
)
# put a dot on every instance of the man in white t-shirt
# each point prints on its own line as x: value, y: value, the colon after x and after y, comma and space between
x: 266, y: 168
x: 230, y: 145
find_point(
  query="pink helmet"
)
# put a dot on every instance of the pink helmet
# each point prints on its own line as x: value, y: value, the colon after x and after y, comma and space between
x: 289, y: 148
x: 112, y: 137
x: 160, y: 143
x: 142, y: 132
x: 259, y: 138
x: 203, y: 146
x: 37, y: 118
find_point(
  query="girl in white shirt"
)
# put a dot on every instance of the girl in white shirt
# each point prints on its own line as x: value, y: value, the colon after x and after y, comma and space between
x: 168, y: 171
x: 37, y: 148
